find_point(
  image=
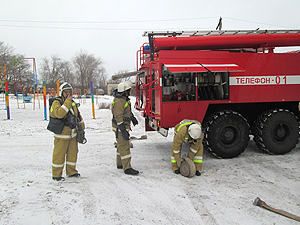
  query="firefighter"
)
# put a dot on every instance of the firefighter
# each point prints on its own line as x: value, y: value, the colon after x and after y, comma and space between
x: 188, y: 131
x: 65, y: 143
x: 122, y: 116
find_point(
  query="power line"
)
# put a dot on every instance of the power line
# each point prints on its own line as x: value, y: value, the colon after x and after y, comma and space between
x: 255, y: 22
x: 95, y: 28
x: 105, y: 22
x: 111, y: 22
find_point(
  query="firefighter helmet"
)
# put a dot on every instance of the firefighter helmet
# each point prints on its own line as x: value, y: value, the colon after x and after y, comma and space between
x: 195, y: 131
x: 65, y: 86
x: 124, y: 86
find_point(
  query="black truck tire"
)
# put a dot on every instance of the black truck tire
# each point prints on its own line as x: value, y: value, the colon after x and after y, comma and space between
x: 226, y: 134
x: 277, y: 131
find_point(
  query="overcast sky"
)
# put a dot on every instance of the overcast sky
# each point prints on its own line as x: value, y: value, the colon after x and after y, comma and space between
x: 112, y: 29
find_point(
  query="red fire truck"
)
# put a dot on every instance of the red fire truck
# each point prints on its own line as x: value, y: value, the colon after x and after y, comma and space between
x: 233, y: 82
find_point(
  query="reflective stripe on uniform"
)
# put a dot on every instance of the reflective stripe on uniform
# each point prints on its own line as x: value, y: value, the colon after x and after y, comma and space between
x: 193, y: 150
x: 173, y: 160
x: 66, y: 136
x: 115, y: 129
x: 71, y: 163
x: 187, y: 122
x: 190, y: 121
x: 65, y: 108
x: 176, y: 152
x: 126, y: 156
x: 197, y: 159
x: 126, y: 104
x: 58, y: 165
x: 182, y: 126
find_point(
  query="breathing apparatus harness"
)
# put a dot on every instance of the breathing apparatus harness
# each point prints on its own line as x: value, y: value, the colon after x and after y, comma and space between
x: 56, y: 125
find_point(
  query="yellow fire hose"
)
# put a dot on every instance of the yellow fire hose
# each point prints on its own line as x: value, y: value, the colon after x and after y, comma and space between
x: 262, y: 204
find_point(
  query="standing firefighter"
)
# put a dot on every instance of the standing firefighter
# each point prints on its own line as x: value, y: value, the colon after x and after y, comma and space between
x: 188, y: 131
x: 64, y: 116
x: 122, y: 116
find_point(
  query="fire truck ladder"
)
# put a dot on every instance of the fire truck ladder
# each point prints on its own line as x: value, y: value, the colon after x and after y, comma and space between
x: 218, y: 32
x: 151, y: 34
x: 16, y: 68
x: 2, y: 84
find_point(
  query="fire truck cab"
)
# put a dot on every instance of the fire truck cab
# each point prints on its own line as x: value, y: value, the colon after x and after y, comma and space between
x: 232, y: 82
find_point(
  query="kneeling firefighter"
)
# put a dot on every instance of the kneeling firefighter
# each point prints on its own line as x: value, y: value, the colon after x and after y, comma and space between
x: 65, y: 120
x: 122, y: 116
x: 187, y: 131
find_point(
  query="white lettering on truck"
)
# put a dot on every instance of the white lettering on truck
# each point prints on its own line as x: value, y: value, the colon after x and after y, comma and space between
x: 265, y: 80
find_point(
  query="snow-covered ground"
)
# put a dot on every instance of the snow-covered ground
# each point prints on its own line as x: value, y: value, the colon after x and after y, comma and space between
x: 223, y: 194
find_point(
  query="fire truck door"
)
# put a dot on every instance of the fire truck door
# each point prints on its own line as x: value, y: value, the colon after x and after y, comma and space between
x: 174, y: 112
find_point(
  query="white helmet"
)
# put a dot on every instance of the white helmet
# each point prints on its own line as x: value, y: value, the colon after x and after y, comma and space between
x: 65, y: 86
x: 124, y: 86
x: 195, y: 131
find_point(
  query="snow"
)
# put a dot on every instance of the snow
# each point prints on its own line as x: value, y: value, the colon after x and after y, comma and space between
x: 223, y: 194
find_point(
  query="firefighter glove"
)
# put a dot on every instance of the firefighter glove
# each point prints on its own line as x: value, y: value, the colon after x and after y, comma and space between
x: 125, y: 133
x: 134, y: 120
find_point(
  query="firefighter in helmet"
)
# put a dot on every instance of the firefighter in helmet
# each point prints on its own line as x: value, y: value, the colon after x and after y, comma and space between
x: 122, y: 116
x: 65, y: 143
x: 187, y: 131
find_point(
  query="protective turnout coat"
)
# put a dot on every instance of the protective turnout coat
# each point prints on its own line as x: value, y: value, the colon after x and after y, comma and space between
x: 181, y: 136
x: 65, y: 143
x: 60, y: 111
x: 121, y: 111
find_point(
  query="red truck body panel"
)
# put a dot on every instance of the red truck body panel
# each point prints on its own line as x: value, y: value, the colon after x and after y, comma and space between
x: 232, y: 82
x: 254, y: 77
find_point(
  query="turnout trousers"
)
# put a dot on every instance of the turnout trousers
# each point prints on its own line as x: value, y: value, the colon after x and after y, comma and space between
x: 64, y: 150
x: 123, y: 152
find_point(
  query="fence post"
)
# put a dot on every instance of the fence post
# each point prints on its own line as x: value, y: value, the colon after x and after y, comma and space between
x: 92, y: 96
x: 7, y: 100
x: 45, y: 101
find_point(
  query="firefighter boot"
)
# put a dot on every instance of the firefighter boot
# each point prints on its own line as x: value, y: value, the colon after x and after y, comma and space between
x: 177, y: 171
x: 58, y: 178
x: 131, y: 171
x: 75, y: 175
x: 198, y: 173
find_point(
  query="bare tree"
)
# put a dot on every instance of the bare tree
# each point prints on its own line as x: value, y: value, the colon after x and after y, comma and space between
x: 17, y: 68
x: 67, y: 72
x: 87, y: 68
x: 5, y: 50
x: 52, y: 70
x: 102, y: 79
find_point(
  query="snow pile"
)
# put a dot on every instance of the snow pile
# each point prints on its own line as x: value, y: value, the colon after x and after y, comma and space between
x: 223, y: 194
